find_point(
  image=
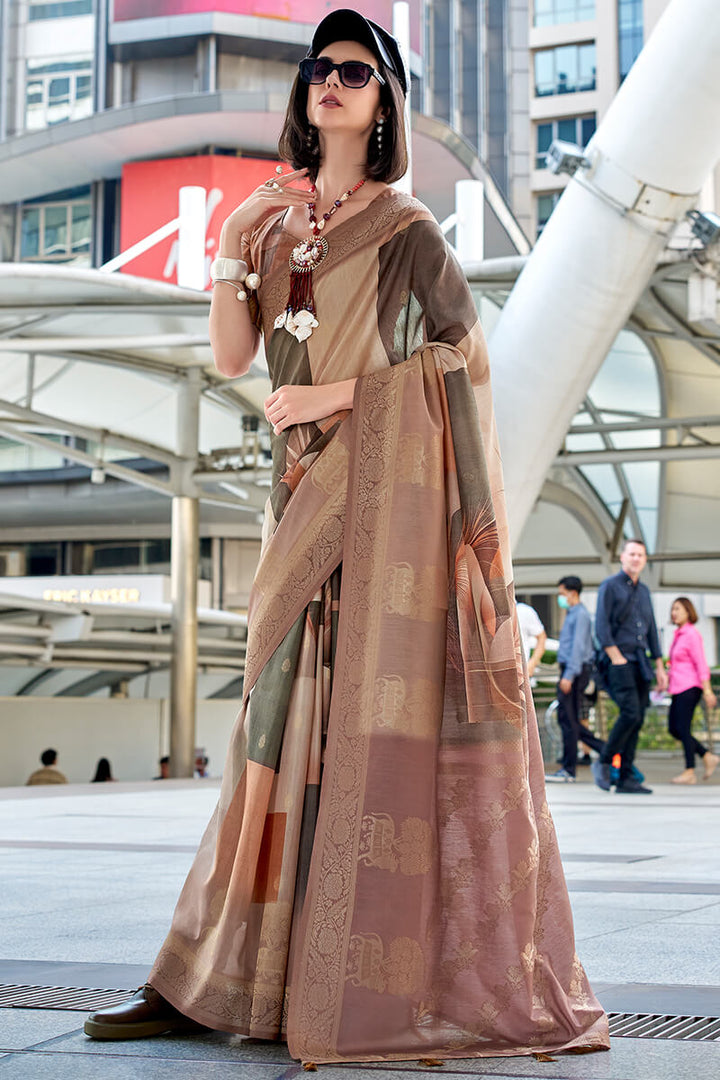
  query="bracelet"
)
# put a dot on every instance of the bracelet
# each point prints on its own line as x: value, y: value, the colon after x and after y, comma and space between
x: 229, y: 269
x: 241, y: 294
x: 234, y: 272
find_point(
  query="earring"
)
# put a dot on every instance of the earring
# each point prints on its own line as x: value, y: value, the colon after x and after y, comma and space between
x: 379, y: 134
x: 309, y: 138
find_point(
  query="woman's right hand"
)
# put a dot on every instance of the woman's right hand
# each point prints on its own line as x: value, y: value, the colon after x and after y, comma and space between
x: 259, y: 205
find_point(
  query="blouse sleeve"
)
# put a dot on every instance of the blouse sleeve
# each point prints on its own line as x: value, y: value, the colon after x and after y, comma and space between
x: 697, y: 653
x: 247, y: 255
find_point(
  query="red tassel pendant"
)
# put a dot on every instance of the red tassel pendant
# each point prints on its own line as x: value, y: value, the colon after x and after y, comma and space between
x: 299, y: 317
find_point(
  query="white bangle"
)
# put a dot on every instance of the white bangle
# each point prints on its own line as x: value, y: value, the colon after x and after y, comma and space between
x: 228, y: 269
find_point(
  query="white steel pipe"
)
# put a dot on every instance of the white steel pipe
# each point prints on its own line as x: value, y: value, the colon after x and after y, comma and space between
x: 191, y: 237
x: 649, y: 159
x: 470, y: 220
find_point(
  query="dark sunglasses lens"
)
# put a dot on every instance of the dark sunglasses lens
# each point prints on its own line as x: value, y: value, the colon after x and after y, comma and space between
x: 314, y: 71
x: 355, y: 75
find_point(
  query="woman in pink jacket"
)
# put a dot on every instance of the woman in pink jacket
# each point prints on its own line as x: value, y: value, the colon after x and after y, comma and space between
x: 689, y: 681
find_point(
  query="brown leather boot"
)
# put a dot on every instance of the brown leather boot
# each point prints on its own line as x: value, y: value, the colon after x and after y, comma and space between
x: 146, y: 1013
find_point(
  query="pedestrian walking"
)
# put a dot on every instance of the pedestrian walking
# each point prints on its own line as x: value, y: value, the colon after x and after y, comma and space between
x: 575, y: 655
x: 689, y: 682
x: 626, y: 631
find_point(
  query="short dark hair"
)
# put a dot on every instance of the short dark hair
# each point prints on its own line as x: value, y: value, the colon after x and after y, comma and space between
x: 48, y: 757
x: 571, y: 582
x: 386, y: 165
x: 165, y: 760
x: 634, y: 540
x: 689, y: 607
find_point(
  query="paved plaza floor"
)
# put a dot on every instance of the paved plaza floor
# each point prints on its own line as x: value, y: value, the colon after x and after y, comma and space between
x: 90, y: 874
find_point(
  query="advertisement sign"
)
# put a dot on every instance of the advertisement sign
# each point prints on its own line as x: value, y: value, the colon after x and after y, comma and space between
x: 309, y: 12
x: 150, y: 199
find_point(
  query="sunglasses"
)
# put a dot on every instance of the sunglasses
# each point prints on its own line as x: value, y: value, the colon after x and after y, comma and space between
x: 353, y: 73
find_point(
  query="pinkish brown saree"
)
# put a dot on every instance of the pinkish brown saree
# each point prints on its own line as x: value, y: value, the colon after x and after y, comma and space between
x: 381, y: 878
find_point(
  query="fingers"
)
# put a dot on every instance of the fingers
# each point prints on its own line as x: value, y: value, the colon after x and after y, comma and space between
x: 287, y: 178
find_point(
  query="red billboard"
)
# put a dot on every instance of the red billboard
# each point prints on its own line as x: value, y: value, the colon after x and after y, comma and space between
x: 149, y: 200
x: 309, y: 12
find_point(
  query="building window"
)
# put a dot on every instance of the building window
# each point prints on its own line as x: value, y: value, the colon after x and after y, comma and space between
x: 566, y: 69
x: 572, y: 129
x: 40, y: 10
x: 440, y: 52
x: 57, y: 229
x: 57, y: 92
x: 551, y: 12
x: 545, y: 206
x: 630, y: 33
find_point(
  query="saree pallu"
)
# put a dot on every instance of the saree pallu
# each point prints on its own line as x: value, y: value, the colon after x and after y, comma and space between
x: 381, y: 878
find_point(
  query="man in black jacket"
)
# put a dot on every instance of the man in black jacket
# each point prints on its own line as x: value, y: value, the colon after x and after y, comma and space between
x: 626, y: 630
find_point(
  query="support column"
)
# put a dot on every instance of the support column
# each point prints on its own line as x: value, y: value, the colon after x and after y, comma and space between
x: 183, y: 573
x: 183, y: 670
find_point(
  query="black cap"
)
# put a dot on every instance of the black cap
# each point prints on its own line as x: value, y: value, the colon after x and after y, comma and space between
x: 348, y: 25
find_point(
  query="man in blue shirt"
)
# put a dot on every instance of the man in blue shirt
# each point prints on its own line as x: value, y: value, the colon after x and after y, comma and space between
x: 626, y: 630
x: 575, y: 655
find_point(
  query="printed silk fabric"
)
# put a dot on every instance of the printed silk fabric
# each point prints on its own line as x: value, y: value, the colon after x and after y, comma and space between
x: 381, y: 877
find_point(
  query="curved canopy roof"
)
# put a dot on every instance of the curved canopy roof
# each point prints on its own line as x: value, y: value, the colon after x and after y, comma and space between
x: 105, y: 357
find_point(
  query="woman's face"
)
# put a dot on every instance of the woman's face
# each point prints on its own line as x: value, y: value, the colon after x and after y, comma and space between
x: 334, y: 108
x: 678, y: 614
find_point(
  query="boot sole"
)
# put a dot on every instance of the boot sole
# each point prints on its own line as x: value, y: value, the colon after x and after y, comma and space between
x: 142, y: 1029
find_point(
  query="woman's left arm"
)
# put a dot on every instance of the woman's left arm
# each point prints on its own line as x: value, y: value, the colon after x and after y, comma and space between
x: 300, y: 404
x: 701, y: 666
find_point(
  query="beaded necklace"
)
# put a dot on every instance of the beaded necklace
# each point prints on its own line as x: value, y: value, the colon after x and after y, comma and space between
x: 300, y: 317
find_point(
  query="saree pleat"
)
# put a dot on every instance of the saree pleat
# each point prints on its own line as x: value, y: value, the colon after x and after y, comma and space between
x: 225, y: 960
x: 382, y: 878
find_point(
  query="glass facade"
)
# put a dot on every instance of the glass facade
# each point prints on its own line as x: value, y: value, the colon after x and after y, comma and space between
x: 57, y: 91
x: 630, y: 33
x: 551, y: 12
x: 469, y: 45
x: 40, y: 10
x: 545, y: 206
x: 57, y: 228
x: 566, y: 69
x: 573, y: 129
x: 440, y: 58
x: 465, y: 82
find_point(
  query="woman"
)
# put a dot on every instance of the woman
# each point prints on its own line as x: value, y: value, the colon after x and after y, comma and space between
x: 381, y: 878
x: 103, y: 772
x: 689, y: 681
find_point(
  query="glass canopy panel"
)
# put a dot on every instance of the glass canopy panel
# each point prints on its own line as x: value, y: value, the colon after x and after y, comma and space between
x: 584, y: 442
x: 605, y: 482
x: 627, y: 378
x: 643, y: 480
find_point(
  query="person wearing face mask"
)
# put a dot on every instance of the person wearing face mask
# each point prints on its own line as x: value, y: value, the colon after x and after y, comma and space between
x: 689, y: 681
x: 381, y: 878
x: 626, y: 630
x: 575, y: 655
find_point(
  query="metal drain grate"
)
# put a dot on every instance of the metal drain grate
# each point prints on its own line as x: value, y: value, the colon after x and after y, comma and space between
x: 72, y: 998
x: 664, y: 1026
x: 622, y: 1025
